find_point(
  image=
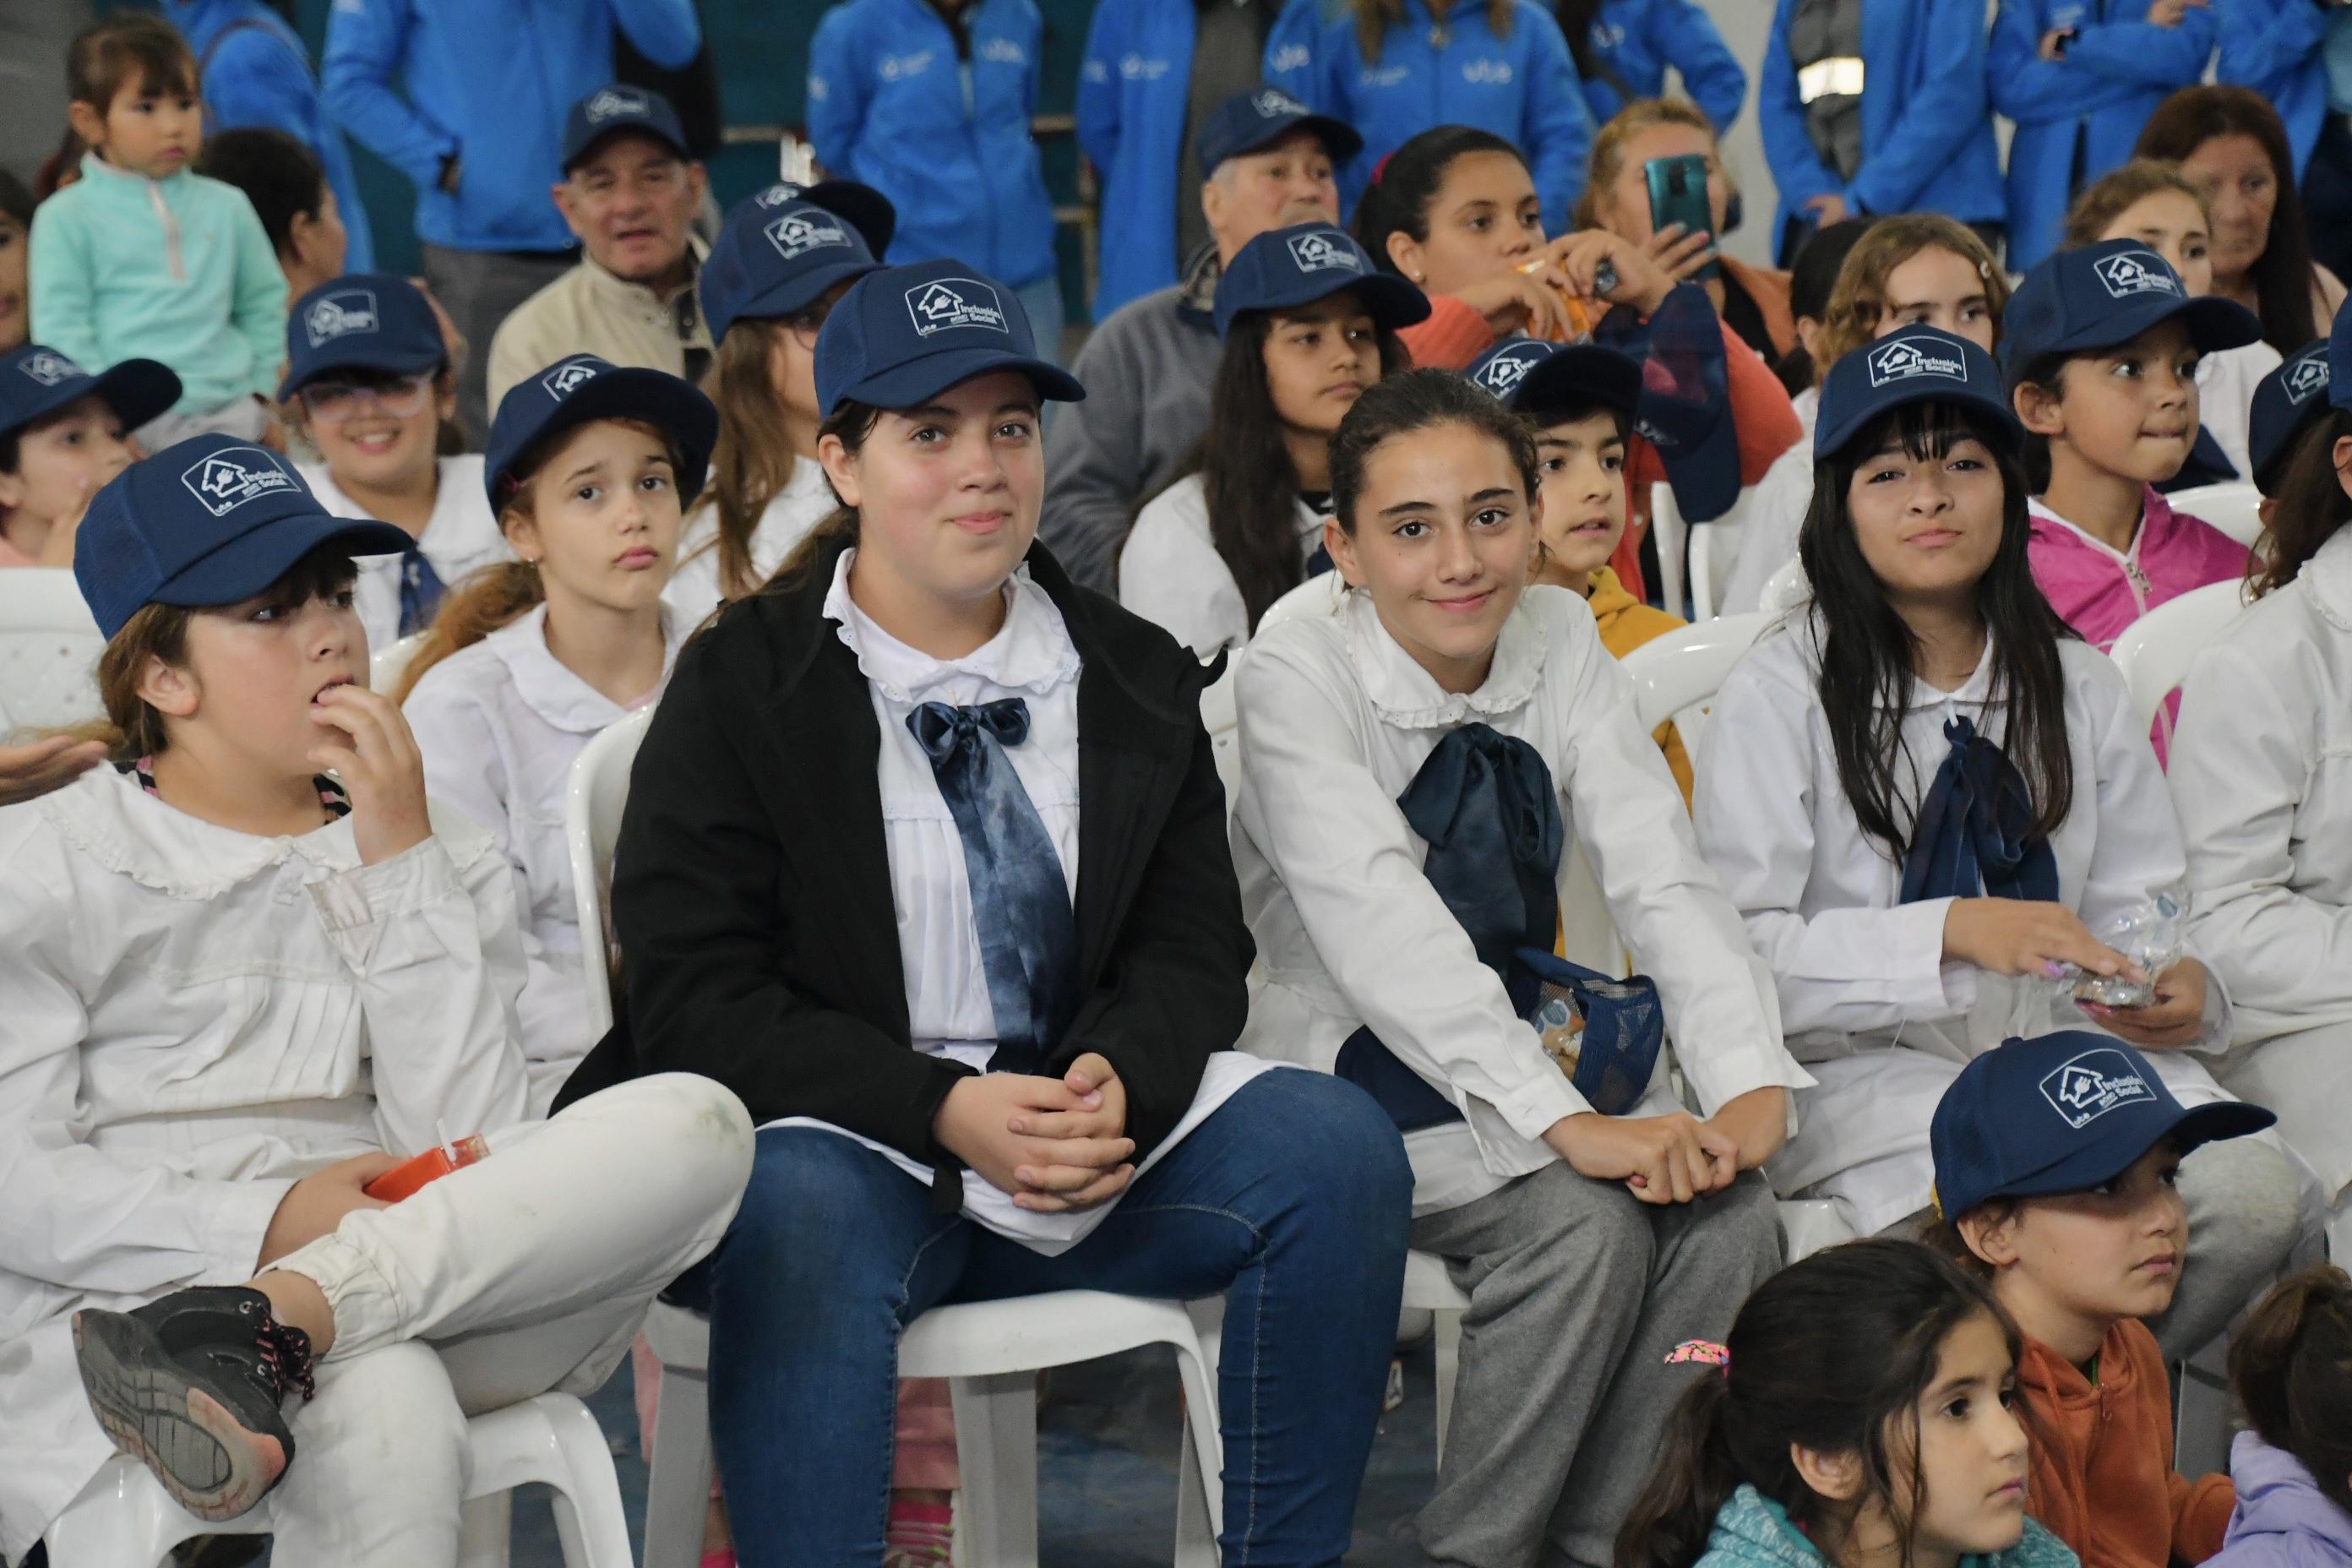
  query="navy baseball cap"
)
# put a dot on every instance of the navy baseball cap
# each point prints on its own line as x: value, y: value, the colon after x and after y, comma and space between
x: 365, y: 320
x: 2287, y: 402
x: 2076, y: 301
x: 209, y: 521
x: 2061, y: 1113
x: 614, y: 108
x: 1313, y: 261
x: 1530, y: 376
x: 583, y: 388
x: 35, y: 382
x: 869, y: 212
x: 779, y: 252
x: 906, y: 333
x: 1910, y: 364
x: 1249, y: 121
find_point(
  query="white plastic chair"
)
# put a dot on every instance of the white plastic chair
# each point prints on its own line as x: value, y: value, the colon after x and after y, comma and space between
x: 123, y: 1519
x: 991, y: 1351
x: 387, y: 665
x: 2236, y: 509
x: 1319, y: 595
x: 1713, y: 548
x: 1673, y: 535
x: 2156, y: 650
x: 1676, y: 674
x: 50, y: 644
x: 1785, y: 590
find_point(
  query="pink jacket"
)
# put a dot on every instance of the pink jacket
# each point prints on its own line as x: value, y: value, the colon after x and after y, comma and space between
x: 2099, y: 592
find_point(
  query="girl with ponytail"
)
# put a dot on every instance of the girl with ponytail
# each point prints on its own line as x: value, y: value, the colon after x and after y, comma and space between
x: 1864, y: 1415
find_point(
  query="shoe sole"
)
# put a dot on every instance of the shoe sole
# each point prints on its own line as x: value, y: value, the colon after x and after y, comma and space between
x: 193, y: 1445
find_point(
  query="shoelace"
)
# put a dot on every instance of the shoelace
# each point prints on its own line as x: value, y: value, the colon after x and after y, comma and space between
x: 284, y: 1352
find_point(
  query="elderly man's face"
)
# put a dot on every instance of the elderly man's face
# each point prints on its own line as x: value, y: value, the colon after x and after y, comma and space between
x: 629, y: 202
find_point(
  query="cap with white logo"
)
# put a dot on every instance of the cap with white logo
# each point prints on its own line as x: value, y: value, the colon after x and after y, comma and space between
x: 362, y: 321
x: 2062, y: 1112
x: 581, y: 388
x: 609, y: 111
x: 212, y: 521
x: 782, y: 249
x: 2076, y: 301
x: 1261, y: 116
x: 1297, y: 265
x: 2289, y: 401
x: 1910, y: 364
x: 1533, y: 376
x: 35, y: 382
x: 906, y: 333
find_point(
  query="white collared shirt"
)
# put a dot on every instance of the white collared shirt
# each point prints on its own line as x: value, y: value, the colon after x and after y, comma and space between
x: 461, y: 536
x: 500, y: 723
x: 196, y: 1018
x: 1170, y: 572
x: 1866, y: 999
x: 806, y: 499
x: 1336, y: 722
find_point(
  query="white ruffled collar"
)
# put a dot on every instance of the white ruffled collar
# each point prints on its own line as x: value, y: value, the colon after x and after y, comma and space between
x: 1031, y: 654
x: 108, y: 817
x: 1408, y: 696
x: 2329, y: 572
x: 551, y: 689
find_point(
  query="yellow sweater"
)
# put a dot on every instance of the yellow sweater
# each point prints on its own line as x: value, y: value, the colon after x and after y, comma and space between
x: 1625, y: 624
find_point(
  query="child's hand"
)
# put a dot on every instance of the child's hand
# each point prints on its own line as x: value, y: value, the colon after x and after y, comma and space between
x: 2174, y: 1019
x: 1679, y: 255
x: 2028, y: 937
x: 58, y: 548
x: 317, y: 1203
x: 1639, y: 282
x: 1525, y: 302
x: 1043, y: 1173
x: 1756, y: 1123
x: 1662, y: 1159
x: 380, y: 768
x: 27, y: 773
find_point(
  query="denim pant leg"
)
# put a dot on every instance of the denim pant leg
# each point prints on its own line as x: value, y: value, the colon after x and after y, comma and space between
x: 1293, y: 1199
x: 833, y: 1252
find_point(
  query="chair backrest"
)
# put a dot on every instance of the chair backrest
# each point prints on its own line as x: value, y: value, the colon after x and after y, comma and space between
x: 1785, y: 590
x: 1319, y: 596
x: 2156, y: 650
x: 1673, y: 536
x: 2236, y: 509
x: 591, y: 826
x: 50, y: 644
x: 1683, y: 669
x: 387, y: 665
x: 1713, y: 547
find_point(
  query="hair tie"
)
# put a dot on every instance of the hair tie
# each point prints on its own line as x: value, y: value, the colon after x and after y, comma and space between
x: 1704, y: 1353
x: 1381, y: 168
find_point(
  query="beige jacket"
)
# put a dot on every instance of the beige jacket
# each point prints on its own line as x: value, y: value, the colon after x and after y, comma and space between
x: 590, y: 311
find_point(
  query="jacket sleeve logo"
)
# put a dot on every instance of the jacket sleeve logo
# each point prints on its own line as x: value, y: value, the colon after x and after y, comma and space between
x: 234, y: 475
x: 948, y: 303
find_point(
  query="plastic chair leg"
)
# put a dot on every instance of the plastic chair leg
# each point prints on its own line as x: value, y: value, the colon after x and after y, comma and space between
x: 996, y: 1448
x: 677, y: 1492
x: 486, y: 1530
x: 127, y: 1523
x: 588, y: 1516
x: 2201, y: 1427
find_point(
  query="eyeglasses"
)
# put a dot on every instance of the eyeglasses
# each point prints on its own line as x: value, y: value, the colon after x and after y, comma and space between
x: 338, y: 402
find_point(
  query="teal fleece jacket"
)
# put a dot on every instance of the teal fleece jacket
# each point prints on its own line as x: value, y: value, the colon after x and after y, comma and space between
x: 176, y: 269
x: 1753, y: 1531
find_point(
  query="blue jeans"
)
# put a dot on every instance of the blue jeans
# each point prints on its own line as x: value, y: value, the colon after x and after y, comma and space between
x: 1293, y: 1200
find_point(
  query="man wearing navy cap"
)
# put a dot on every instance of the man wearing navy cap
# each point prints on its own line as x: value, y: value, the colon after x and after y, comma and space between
x: 1147, y: 370
x: 629, y: 193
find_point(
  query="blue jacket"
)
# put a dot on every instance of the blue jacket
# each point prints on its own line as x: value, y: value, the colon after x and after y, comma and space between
x: 1133, y: 89
x: 2272, y: 47
x: 947, y: 141
x: 487, y: 81
x: 1522, y: 86
x: 1640, y: 39
x: 1926, y: 129
x: 257, y: 74
x: 2115, y: 73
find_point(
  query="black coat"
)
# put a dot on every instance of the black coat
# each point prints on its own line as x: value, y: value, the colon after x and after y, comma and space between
x: 751, y: 889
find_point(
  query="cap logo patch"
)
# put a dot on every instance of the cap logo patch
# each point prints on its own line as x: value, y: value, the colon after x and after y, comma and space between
x: 955, y: 302
x: 2307, y: 376
x: 797, y: 233
x: 1274, y: 103
x: 345, y: 311
x: 234, y: 475
x: 48, y: 368
x: 1503, y: 373
x: 2135, y: 272
x: 1907, y: 357
x: 2093, y: 1084
x: 565, y: 378
x: 611, y: 102
x: 777, y: 196
x: 1322, y: 253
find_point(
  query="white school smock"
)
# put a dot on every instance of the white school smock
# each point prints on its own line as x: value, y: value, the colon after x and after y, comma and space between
x: 461, y: 536
x: 2226, y: 380
x: 1336, y: 722
x: 1866, y: 999
x: 947, y: 1009
x: 1773, y: 515
x: 195, y: 1018
x: 790, y: 516
x: 500, y: 723
x: 1170, y: 572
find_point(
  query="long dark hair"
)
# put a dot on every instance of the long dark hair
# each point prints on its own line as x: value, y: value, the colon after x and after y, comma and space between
x: 1869, y: 655
x: 854, y: 423
x: 1247, y: 480
x: 2291, y: 1367
x: 2312, y: 504
x: 2281, y: 275
x: 1576, y: 18
x: 1813, y: 283
x: 1422, y: 400
x: 1409, y: 179
x: 1832, y: 1353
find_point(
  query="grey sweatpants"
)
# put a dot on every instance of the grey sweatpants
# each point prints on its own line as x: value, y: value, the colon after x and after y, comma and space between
x: 1578, y: 1291
x: 480, y: 289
